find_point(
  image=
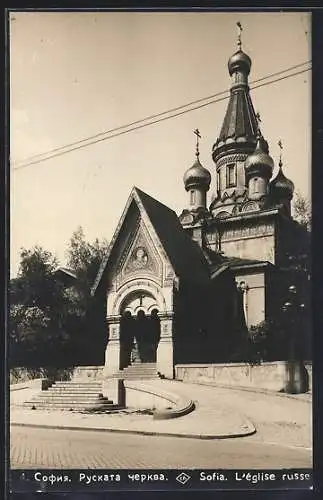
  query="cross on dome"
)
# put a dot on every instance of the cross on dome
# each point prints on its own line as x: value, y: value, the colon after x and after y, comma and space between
x: 280, y: 145
x: 198, y: 136
x: 240, y: 29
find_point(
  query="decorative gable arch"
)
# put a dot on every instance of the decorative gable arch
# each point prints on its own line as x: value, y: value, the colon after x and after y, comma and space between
x: 140, y: 258
x: 136, y: 288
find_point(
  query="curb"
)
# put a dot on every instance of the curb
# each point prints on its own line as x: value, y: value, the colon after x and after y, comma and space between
x: 183, y: 405
x: 250, y: 432
x: 250, y: 389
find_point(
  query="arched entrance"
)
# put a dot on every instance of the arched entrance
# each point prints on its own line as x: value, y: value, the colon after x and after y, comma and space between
x: 139, y: 329
x: 139, y: 337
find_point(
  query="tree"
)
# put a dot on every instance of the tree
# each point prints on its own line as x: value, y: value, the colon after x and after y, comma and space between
x: 89, y: 332
x: 302, y: 211
x: 85, y: 258
x: 51, y: 324
x: 37, y: 308
x: 34, y: 285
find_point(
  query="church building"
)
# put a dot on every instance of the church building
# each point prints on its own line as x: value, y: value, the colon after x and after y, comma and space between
x: 185, y: 289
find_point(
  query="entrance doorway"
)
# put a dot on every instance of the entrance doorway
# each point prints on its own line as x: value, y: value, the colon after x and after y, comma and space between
x: 139, y: 337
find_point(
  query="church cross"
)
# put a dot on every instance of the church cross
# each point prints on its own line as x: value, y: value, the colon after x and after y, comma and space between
x: 239, y: 34
x: 198, y: 136
x: 280, y: 145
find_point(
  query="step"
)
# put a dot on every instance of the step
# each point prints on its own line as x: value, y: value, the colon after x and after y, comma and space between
x: 83, y: 390
x: 42, y: 406
x: 136, y: 373
x: 146, y: 368
x: 144, y: 364
x: 130, y: 370
x: 140, y: 367
x: 136, y: 377
x: 77, y: 384
x: 69, y: 401
x: 71, y: 398
x: 69, y: 404
x: 147, y: 374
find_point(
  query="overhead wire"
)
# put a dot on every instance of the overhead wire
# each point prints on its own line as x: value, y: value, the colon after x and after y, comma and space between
x: 94, y: 139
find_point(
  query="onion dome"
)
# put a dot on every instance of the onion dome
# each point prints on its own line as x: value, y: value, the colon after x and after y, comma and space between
x: 239, y: 61
x: 259, y: 162
x: 197, y: 176
x: 238, y: 133
x: 281, y: 187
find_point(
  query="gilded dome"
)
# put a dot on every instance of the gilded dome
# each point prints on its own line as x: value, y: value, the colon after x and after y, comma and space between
x: 239, y: 61
x: 259, y: 162
x: 281, y: 187
x: 197, y: 175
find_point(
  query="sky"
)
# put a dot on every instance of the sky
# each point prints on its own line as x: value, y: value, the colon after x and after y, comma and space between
x: 75, y: 74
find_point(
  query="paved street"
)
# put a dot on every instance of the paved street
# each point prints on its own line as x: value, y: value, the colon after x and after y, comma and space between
x: 49, y: 448
x: 283, y: 438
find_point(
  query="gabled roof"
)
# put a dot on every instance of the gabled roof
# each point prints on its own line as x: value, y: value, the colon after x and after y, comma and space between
x: 184, y: 254
x: 235, y: 263
x: 65, y: 275
x: 65, y: 270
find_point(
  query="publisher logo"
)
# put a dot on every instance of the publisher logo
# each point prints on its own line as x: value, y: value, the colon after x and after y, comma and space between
x: 183, y: 478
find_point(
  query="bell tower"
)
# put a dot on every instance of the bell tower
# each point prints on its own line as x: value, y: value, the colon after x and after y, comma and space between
x: 237, y: 138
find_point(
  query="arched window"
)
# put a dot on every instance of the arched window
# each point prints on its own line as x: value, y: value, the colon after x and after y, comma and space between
x: 231, y: 175
x: 255, y: 185
x: 218, y: 181
x: 192, y: 198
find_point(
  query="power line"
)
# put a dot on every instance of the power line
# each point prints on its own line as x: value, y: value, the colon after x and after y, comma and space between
x: 59, y: 148
x: 78, y: 145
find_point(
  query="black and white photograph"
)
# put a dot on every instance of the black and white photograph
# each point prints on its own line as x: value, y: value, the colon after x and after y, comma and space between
x: 159, y: 302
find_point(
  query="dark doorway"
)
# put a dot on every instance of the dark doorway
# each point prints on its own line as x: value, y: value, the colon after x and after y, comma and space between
x: 126, y: 338
x: 139, y: 337
x: 147, y: 334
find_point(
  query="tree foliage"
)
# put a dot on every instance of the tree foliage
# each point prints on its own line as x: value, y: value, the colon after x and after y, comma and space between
x: 85, y: 259
x: 51, y: 323
x: 302, y: 212
x: 37, y: 308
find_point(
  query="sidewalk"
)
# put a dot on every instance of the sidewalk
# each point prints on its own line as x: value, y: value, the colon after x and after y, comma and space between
x: 220, y: 413
x: 205, y: 422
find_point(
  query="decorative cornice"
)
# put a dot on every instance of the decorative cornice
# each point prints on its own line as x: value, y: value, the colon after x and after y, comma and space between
x: 252, y: 215
x: 231, y: 158
x: 111, y: 320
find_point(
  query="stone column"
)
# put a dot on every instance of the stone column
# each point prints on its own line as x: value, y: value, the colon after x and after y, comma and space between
x: 112, y: 352
x: 244, y: 288
x: 165, y: 349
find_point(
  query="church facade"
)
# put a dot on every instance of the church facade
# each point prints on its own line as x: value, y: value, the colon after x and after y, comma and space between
x: 182, y: 289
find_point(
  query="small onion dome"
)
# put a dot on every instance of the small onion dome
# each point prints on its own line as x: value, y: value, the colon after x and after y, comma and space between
x: 259, y: 162
x: 239, y: 61
x: 198, y: 176
x: 281, y: 187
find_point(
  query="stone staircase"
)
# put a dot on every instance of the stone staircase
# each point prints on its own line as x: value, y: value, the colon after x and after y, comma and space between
x: 138, y: 371
x: 71, y: 395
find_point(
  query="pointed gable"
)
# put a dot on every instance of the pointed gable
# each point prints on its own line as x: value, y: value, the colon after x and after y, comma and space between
x: 184, y: 255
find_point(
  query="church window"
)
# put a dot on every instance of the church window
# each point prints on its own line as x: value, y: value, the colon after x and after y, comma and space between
x: 218, y: 181
x: 231, y: 175
x: 192, y: 200
x: 255, y: 185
